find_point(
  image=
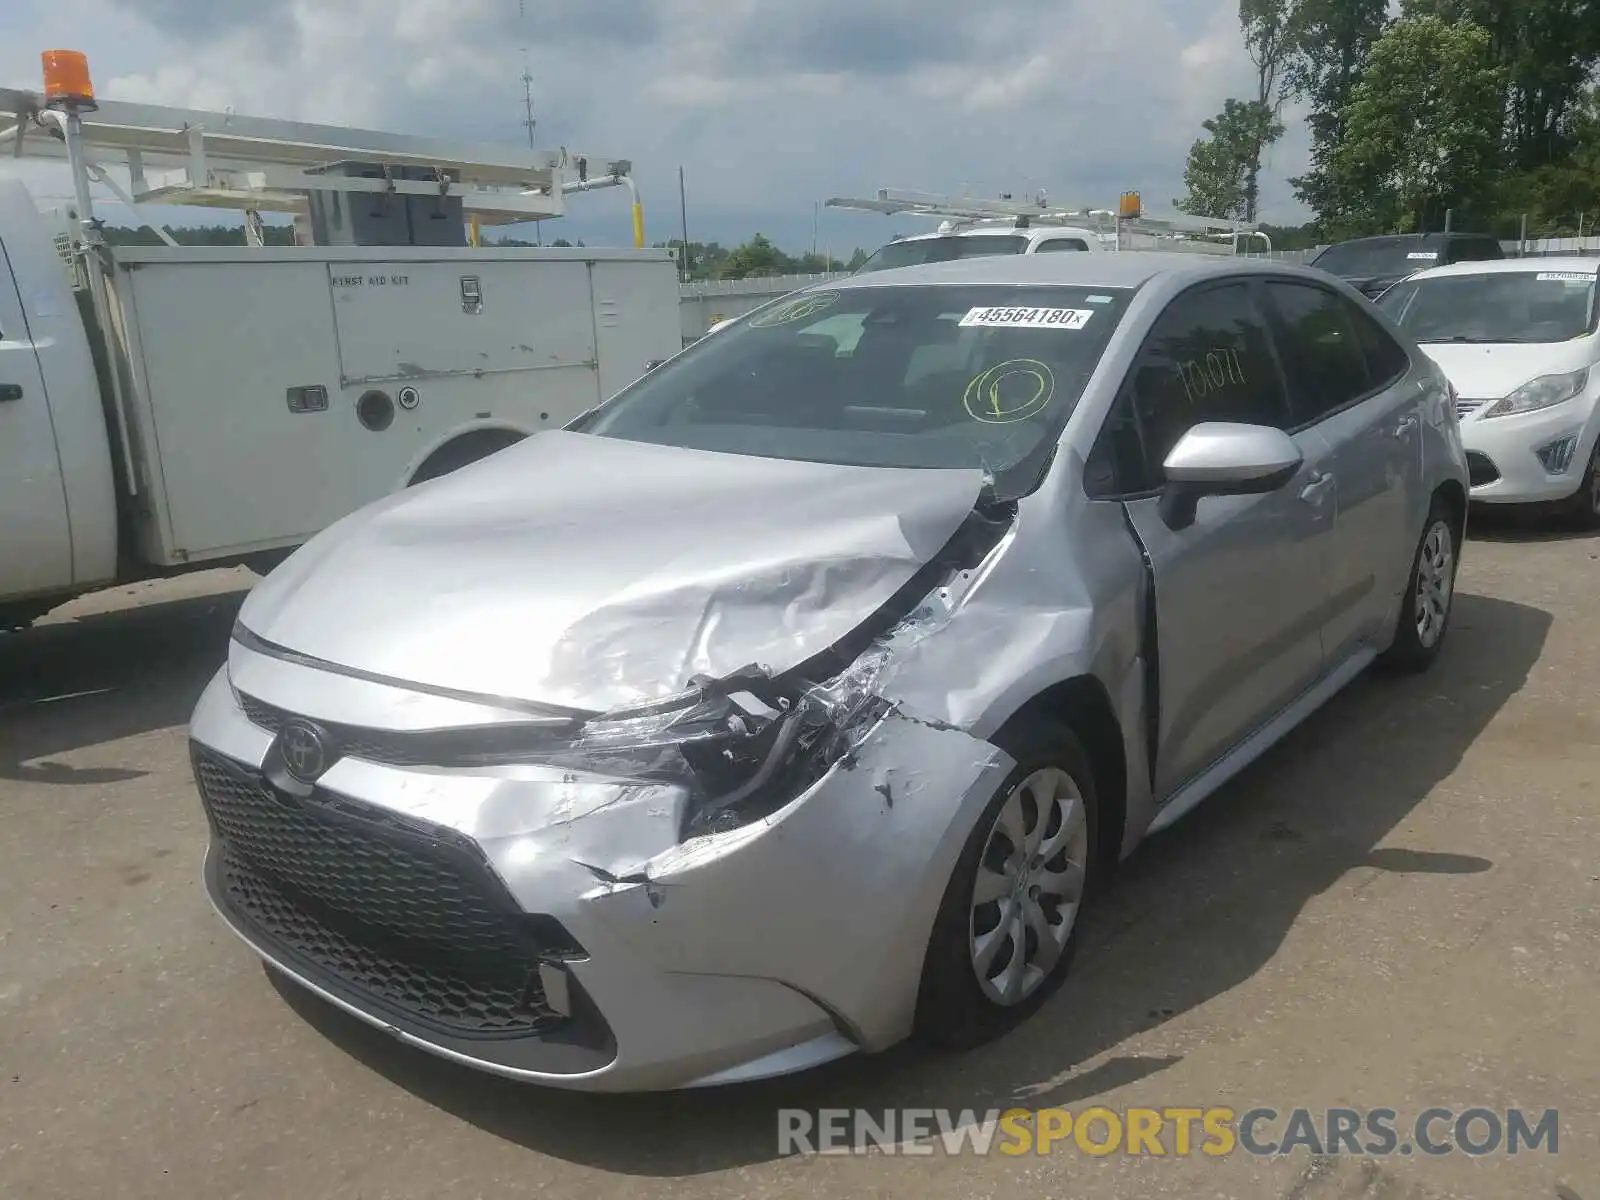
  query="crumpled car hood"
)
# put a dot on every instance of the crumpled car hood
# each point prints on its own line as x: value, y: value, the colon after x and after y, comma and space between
x: 592, y: 573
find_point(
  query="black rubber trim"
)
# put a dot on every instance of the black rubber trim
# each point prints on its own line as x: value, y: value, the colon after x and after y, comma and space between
x: 1149, y: 651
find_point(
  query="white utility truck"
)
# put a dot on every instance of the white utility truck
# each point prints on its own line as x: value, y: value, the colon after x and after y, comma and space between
x: 974, y: 227
x: 168, y: 408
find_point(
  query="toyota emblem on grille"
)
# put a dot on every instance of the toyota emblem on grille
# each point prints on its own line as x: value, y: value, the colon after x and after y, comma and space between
x: 305, y: 751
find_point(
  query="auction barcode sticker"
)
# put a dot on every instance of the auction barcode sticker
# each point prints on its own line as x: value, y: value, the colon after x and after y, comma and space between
x: 1558, y: 276
x: 1028, y: 318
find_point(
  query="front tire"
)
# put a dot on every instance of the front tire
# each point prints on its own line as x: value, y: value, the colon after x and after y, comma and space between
x: 1430, y: 595
x: 1584, y: 506
x: 1007, y: 925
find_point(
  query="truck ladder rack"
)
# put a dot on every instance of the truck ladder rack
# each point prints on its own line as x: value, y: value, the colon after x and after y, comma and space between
x: 224, y: 160
x: 1181, y: 233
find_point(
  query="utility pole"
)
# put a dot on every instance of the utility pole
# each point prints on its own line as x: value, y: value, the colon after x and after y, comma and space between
x: 683, y: 212
x: 528, y: 122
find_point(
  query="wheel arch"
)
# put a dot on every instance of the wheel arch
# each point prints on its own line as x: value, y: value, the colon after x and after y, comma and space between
x: 460, y: 447
x: 1454, y: 497
x: 1084, y: 706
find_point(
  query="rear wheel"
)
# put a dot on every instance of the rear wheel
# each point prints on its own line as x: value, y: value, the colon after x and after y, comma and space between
x: 465, y: 450
x: 267, y: 561
x: 1006, y: 928
x: 1430, y: 595
x: 15, y: 618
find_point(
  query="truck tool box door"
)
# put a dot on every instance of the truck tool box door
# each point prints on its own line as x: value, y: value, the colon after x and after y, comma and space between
x: 232, y: 354
x: 35, y: 537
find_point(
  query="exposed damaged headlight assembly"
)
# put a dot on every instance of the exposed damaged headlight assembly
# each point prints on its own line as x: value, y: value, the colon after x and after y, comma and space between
x: 741, y: 754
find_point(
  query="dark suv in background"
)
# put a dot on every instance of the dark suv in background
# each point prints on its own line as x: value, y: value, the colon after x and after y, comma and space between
x: 1376, y: 264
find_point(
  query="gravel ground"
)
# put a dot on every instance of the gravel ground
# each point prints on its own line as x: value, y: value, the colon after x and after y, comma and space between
x: 1399, y: 907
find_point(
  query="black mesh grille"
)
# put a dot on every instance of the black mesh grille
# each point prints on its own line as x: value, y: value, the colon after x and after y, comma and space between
x: 1481, y: 469
x: 412, y: 918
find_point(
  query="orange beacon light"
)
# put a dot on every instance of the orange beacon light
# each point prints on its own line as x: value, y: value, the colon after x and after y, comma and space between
x: 66, y: 79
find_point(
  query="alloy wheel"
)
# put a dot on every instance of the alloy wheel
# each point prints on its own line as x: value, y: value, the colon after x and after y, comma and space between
x: 1436, y: 578
x: 1029, y: 887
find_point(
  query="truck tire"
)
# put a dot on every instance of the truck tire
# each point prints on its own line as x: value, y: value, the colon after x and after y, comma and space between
x: 1048, y: 802
x: 267, y: 561
x: 14, y: 618
x: 465, y: 450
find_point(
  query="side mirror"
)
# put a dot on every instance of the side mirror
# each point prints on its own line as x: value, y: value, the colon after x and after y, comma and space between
x: 1217, y: 458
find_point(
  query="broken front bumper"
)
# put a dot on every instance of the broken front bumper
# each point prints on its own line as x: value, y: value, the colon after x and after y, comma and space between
x: 555, y: 928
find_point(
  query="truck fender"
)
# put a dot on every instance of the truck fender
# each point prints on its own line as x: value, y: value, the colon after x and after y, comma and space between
x: 457, y: 449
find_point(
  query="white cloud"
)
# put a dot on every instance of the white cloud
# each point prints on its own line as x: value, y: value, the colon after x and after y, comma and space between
x: 769, y: 105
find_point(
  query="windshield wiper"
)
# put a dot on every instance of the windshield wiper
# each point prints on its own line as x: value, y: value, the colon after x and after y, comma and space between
x: 1463, y: 340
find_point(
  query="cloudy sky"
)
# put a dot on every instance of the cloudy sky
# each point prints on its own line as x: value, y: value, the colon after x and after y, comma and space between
x: 769, y: 105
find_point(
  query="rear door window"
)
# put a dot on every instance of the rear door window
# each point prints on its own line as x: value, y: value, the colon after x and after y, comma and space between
x: 1474, y: 250
x: 1322, y: 352
x: 1387, y: 360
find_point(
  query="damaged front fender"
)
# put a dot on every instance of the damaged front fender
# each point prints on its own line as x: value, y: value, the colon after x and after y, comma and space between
x: 854, y: 870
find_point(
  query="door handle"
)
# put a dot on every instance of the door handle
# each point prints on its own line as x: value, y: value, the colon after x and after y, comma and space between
x: 10, y: 391
x: 1313, y: 491
x: 1407, y: 424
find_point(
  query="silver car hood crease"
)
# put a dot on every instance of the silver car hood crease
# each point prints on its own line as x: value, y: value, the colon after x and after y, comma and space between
x: 594, y: 573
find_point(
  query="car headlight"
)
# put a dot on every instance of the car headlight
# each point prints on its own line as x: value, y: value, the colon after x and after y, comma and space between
x: 741, y: 751
x: 1544, y: 392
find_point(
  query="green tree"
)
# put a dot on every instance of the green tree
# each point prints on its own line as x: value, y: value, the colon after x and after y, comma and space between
x: 196, y: 235
x: 1333, y: 46
x: 757, y: 257
x: 1220, y: 175
x: 1549, y: 49
x: 1271, y: 37
x: 1422, y: 131
x: 1560, y: 196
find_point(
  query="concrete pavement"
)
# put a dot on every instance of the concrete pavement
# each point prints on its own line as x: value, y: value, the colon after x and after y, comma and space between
x: 1398, y: 907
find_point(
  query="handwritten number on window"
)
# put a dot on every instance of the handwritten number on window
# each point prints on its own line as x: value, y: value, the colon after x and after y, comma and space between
x: 1211, y: 373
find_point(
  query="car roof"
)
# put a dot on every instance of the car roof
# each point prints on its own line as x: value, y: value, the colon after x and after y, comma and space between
x: 1035, y: 233
x: 975, y: 231
x: 1125, y: 269
x: 1586, y: 264
x: 1398, y: 239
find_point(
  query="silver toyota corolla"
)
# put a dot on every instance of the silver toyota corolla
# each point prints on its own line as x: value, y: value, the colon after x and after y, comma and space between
x: 794, y: 700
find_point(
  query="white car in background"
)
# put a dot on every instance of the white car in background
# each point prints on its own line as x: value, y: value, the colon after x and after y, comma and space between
x: 1517, y: 340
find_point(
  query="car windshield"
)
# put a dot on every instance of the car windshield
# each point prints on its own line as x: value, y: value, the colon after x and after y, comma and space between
x: 922, y: 376
x: 915, y: 251
x: 1378, y: 256
x: 1511, y: 306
